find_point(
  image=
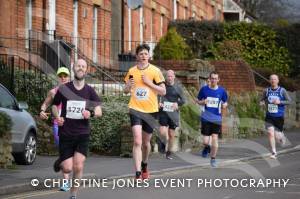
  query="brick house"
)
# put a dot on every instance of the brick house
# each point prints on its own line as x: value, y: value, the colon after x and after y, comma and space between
x: 100, y: 29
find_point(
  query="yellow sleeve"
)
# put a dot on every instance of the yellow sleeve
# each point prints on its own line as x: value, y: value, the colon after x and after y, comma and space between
x: 158, y: 77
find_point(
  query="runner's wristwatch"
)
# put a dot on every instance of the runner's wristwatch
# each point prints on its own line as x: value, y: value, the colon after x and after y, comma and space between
x: 92, y: 113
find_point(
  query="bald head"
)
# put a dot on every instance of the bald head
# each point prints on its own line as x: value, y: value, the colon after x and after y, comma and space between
x: 170, y: 77
x: 274, y: 80
x: 81, y: 62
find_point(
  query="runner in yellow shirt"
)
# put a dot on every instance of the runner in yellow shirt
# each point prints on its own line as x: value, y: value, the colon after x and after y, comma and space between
x: 144, y: 82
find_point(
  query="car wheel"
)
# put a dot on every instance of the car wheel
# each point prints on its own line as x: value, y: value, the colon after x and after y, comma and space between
x: 28, y: 155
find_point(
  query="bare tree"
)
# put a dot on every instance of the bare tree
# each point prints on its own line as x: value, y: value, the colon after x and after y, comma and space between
x: 268, y: 11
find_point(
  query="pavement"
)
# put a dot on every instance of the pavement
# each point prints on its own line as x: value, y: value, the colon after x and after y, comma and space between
x: 18, y: 180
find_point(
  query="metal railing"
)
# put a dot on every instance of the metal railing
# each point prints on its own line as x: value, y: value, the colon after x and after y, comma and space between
x: 25, y: 80
x: 108, y: 62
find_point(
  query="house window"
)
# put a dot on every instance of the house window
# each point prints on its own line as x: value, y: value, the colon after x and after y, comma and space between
x: 28, y: 22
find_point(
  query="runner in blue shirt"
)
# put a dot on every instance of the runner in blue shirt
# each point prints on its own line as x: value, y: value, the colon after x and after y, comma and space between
x: 275, y: 98
x: 214, y: 99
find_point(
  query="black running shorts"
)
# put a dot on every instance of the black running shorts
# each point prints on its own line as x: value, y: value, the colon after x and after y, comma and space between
x: 68, y: 145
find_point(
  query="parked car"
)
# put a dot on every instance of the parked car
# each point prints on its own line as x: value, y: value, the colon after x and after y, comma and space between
x: 24, y: 142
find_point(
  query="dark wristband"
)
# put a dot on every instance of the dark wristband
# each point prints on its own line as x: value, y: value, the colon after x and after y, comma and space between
x: 92, y: 113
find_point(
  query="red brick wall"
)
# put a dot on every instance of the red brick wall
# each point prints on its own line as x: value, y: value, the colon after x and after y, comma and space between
x: 203, y: 10
x: 235, y: 76
x: 8, y: 16
x: 12, y: 23
x: 12, y: 15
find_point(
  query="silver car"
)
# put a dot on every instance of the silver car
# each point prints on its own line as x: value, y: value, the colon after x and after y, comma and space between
x: 23, y: 130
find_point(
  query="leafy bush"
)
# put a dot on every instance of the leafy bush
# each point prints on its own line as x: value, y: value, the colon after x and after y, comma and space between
x: 172, y: 46
x: 286, y: 82
x: 259, y: 45
x: 227, y: 50
x: 189, y: 114
x: 105, y: 132
x: 32, y: 88
x: 199, y: 35
x: 5, y: 141
x: 288, y: 36
x: 5, y: 124
x: 249, y: 114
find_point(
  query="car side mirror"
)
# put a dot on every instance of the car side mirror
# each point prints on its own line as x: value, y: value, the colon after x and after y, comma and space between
x: 22, y: 105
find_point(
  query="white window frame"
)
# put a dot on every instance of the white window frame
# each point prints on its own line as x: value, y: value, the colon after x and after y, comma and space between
x: 75, y: 27
x: 141, y: 21
x: 129, y: 29
x: 174, y: 9
x: 161, y: 25
x: 95, y: 33
x: 28, y: 22
x: 52, y: 19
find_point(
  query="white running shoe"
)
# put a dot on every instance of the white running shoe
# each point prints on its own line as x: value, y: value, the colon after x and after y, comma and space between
x: 282, y: 140
x: 273, y: 156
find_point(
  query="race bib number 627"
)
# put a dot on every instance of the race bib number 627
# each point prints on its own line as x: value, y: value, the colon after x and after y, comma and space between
x: 75, y: 109
x: 141, y: 93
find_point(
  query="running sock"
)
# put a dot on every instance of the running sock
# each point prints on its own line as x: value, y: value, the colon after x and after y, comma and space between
x: 144, y: 166
x: 138, y: 174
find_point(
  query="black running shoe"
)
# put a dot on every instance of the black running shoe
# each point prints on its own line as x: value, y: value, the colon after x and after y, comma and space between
x: 56, y: 165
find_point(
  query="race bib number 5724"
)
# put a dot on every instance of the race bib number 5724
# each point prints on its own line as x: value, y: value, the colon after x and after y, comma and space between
x: 75, y: 109
x: 212, y: 102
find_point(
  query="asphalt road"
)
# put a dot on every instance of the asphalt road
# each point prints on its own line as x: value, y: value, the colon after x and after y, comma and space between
x: 261, y: 178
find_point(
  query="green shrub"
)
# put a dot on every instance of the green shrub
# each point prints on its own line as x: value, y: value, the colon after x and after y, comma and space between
x: 32, y: 88
x: 258, y: 46
x: 29, y: 85
x: 5, y: 141
x: 199, y: 35
x: 105, y: 131
x: 227, y: 50
x: 172, y: 47
x: 5, y: 124
x: 286, y: 82
x: 189, y: 114
x: 250, y: 114
x: 288, y: 36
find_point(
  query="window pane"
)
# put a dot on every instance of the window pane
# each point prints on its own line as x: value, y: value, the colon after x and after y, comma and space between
x: 6, y: 101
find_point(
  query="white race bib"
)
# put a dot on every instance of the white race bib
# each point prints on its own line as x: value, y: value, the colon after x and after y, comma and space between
x: 141, y: 93
x: 212, y: 102
x: 168, y: 107
x: 272, y: 108
x: 75, y: 109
